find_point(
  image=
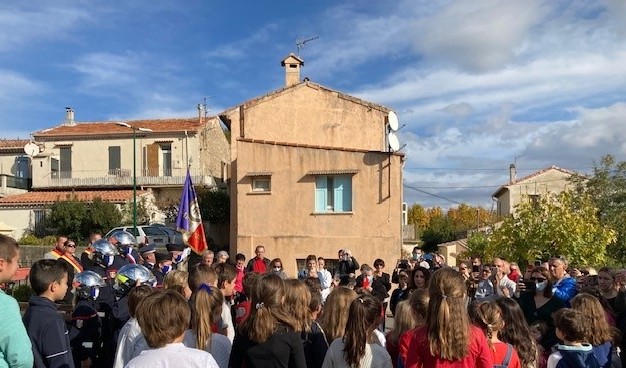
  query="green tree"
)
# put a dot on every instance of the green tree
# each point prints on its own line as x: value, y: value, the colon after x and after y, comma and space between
x: 439, y: 230
x: 607, y: 189
x: 557, y: 224
x: 143, y: 215
x: 214, y: 205
x: 101, y: 216
x: 66, y: 217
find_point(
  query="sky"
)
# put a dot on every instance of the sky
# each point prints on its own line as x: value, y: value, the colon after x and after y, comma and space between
x: 477, y: 85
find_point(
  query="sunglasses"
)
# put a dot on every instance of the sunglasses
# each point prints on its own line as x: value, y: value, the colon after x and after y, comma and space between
x: 71, y: 245
x: 540, y: 279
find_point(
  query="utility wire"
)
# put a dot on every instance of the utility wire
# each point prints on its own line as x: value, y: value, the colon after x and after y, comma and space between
x: 431, y: 194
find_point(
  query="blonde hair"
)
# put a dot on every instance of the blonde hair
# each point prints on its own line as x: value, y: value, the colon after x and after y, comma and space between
x: 404, y: 320
x: 206, y: 304
x: 335, y: 314
x: 597, y: 329
x: 176, y: 280
x: 447, y: 318
x: 267, y: 310
x: 297, y: 300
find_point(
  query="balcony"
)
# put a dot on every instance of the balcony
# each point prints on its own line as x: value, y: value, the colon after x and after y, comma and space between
x: 122, y: 178
x: 10, y: 185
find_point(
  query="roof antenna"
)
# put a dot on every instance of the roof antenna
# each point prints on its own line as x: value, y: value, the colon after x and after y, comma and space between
x: 301, y: 41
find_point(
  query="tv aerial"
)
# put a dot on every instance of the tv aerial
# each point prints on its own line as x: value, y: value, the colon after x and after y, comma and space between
x: 301, y: 41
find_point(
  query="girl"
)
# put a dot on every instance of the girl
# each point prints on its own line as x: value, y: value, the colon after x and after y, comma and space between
x: 537, y: 331
x: 488, y: 317
x: 598, y: 332
x: 276, y: 268
x: 297, y: 302
x: 517, y: 332
x: 268, y: 337
x: 404, y: 321
x: 177, y: 280
x: 335, y: 312
x: 448, y: 338
x: 206, y: 309
x: 356, y: 348
x: 419, y: 305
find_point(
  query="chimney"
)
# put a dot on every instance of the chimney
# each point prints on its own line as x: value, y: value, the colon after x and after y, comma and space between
x: 69, y: 117
x: 292, y: 65
x: 512, y: 174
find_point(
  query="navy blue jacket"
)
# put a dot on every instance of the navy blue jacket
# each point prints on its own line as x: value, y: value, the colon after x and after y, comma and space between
x: 573, y: 357
x: 48, y: 334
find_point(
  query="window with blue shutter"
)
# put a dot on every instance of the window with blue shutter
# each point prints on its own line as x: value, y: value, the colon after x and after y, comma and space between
x: 320, y: 193
x: 343, y: 193
x: 333, y: 193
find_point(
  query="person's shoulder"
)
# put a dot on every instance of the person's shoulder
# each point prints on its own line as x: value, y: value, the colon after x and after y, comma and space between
x: 7, y: 301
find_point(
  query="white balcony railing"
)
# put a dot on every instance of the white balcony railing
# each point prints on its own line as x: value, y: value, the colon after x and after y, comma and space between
x: 122, y: 178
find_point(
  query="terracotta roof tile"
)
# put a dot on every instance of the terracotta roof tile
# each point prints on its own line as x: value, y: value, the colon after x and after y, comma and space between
x: 111, y: 127
x: 47, y: 197
x: 12, y: 144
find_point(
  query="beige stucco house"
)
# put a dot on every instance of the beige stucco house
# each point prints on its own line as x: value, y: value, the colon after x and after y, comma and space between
x: 14, y: 167
x: 311, y: 173
x: 93, y: 158
x: 549, y: 180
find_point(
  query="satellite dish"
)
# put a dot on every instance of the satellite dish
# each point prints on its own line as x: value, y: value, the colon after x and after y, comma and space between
x: 394, y: 143
x: 31, y: 149
x: 392, y: 120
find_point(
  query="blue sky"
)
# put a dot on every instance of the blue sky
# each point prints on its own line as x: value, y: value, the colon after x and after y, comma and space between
x: 479, y: 84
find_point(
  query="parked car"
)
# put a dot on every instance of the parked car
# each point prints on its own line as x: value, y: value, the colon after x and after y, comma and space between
x: 175, y: 236
x: 145, y: 234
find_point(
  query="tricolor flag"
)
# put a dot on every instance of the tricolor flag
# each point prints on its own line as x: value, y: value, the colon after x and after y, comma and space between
x: 188, y: 220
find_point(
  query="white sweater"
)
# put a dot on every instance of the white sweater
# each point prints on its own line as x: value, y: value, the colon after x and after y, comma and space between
x: 375, y: 356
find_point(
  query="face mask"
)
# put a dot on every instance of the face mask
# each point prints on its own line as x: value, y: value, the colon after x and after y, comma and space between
x: 416, y: 256
x: 276, y: 269
x: 541, y: 286
x: 166, y: 268
x: 370, y: 279
x: 95, y: 292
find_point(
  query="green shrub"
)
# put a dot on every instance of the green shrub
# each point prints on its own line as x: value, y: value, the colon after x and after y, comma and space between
x: 22, y: 293
x: 30, y: 239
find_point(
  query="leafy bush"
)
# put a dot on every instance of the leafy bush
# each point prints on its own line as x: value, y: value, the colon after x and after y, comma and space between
x: 22, y: 293
x: 30, y: 239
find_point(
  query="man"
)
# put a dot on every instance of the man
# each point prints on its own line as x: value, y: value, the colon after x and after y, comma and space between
x: 207, y: 257
x: 310, y: 268
x: 325, y: 277
x: 147, y: 254
x: 59, y: 248
x: 347, y: 266
x: 563, y: 285
x: 258, y: 264
x: 72, y: 265
x: 86, y: 258
x: 502, y: 285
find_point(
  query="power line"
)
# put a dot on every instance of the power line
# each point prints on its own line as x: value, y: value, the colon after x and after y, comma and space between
x: 432, y: 194
x: 488, y: 186
x: 487, y: 169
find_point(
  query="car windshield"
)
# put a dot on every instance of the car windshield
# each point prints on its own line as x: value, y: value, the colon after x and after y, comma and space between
x: 153, y: 231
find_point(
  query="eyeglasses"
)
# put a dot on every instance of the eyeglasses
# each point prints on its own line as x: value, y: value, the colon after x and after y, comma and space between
x: 71, y: 245
x: 540, y: 279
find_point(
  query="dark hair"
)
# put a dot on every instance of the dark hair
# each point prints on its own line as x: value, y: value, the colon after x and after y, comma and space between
x: 136, y: 295
x: 249, y: 282
x: 225, y: 272
x: 44, y: 272
x: 424, y: 271
x: 8, y: 248
x: 364, y: 316
x: 163, y: 317
x: 571, y: 323
x: 275, y: 260
x: 240, y: 257
x: 517, y: 332
x: 310, y: 257
x: 379, y: 261
x: 547, y: 292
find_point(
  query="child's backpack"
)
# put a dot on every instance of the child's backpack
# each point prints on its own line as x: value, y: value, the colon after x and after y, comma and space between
x: 507, y: 357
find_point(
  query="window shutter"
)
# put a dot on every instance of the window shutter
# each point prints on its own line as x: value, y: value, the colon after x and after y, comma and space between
x: 320, y: 194
x: 343, y: 193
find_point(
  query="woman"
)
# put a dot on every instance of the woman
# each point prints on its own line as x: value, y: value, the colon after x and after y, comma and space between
x: 448, y: 337
x: 598, y: 333
x: 335, y: 312
x: 276, y: 268
x: 400, y: 293
x: 356, y: 348
x: 419, y: 278
x: 611, y: 290
x: 517, y: 332
x: 540, y: 303
x: 268, y: 337
x: 380, y: 275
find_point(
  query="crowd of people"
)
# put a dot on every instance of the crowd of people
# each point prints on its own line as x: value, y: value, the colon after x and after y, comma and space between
x: 134, y: 306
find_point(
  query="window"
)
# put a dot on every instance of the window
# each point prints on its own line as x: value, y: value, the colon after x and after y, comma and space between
x: 166, y: 156
x: 333, y: 193
x: 261, y: 184
x: 115, y: 161
x: 534, y: 200
x: 39, y: 222
x: 65, y: 162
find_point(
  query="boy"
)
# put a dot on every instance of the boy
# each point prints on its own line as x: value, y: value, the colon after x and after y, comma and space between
x: 574, y: 353
x: 165, y: 334
x: 45, y: 326
x: 226, y: 276
x: 15, y: 347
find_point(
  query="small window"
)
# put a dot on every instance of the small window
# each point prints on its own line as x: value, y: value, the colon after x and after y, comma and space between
x: 534, y: 200
x: 333, y: 193
x: 261, y: 184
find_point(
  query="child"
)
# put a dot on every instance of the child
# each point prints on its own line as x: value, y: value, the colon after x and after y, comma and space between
x: 538, y: 330
x: 226, y: 276
x: 131, y: 342
x: 163, y: 318
x: 404, y: 320
x: 267, y: 338
x: 45, y: 326
x: 356, y: 349
x: 242, y: 308
x: 574, y: 353
x: 488, y: 317
x: 15, y: 347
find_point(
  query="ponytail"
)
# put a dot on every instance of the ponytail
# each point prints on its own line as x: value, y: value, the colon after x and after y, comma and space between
x: 363, y: 318
x: 205, y: 302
